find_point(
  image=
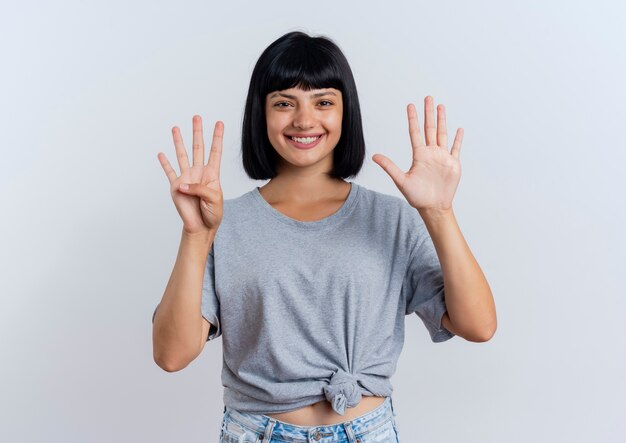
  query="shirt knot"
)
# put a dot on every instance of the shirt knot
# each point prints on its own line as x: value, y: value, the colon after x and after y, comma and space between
x: 342, y: 391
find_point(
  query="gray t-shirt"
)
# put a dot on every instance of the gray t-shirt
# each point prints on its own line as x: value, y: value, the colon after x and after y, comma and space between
x: 312, y: 311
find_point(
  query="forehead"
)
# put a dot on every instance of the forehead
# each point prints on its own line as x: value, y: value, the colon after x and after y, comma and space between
x: 294, y: 93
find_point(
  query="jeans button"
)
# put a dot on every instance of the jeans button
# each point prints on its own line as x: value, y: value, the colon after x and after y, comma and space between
x: 317, y: 435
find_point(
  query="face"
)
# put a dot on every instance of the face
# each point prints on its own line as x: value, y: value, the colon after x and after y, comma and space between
x: 304, y: 126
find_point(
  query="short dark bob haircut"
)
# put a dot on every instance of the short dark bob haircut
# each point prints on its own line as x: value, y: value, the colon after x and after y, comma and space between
x: 299, y: 60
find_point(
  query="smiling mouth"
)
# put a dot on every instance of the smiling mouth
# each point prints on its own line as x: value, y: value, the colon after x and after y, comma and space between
x: 305, y: 140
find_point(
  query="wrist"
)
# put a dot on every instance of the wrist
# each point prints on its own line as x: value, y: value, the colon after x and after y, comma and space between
x: 435, y: 213
x: 203, y: 236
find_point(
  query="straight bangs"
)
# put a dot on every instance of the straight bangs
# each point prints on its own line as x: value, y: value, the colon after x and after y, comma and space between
x: 303, y: 66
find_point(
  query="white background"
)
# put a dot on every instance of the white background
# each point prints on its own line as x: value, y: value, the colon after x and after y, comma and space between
x: 89, y: 234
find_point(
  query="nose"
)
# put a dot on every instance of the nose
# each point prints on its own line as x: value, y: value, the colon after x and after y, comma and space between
x: 303, y: 118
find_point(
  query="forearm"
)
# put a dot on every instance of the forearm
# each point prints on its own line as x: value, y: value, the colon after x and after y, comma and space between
x: 177, y: 327
x: 468, y: 297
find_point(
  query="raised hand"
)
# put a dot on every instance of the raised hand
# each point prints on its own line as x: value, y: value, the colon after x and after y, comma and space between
x: 200, y: 204
x: 434, y: 176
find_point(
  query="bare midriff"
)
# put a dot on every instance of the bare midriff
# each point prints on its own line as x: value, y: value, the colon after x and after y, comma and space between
x: 322, y: 413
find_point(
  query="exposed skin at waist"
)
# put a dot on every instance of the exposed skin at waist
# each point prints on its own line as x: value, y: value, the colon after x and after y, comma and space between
x: 322, y: 413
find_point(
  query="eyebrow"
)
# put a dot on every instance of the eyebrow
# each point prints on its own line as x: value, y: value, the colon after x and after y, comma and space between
x: 293, y: 97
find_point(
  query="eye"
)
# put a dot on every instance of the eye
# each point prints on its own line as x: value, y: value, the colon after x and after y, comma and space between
x: 326, y: 101
x: 278, y: 105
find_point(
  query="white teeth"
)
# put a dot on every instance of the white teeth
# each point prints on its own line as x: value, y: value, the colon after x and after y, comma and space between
x: 305, y: 140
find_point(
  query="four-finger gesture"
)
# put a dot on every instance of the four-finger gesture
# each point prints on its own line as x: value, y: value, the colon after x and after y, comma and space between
x: 197, y: 193
x: 435, y: 173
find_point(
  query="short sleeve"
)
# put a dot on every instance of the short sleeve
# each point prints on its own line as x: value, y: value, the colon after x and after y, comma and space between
x: 210, y: 306
x: 423, y: 287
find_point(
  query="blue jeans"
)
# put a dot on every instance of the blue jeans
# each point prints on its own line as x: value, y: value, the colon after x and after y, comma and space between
x: 378, y: 426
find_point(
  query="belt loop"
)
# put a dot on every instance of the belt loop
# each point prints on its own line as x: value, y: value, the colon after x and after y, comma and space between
x: 269, y: 429
x: 348, y: 427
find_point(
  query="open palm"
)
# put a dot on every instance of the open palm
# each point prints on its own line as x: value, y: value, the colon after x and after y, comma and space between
x: 434, y: 176
x: 200, y: 205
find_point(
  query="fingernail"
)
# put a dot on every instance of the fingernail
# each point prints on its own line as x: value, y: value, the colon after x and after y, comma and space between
x: 184, y: 186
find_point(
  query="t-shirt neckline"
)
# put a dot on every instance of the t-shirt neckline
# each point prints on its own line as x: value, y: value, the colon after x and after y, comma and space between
x: 327, y: 221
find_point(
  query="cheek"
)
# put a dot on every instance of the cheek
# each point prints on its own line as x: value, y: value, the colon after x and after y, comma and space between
x: 335, y: 123
x: 272, y: 129
x: 274, y: 123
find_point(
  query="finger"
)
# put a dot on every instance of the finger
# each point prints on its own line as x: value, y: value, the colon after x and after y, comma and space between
x: 442, y: 130
x: 198, y: 141
x: 169, y: 171
x: 414, y: 128
x: 181, y: 152
x: 215, y: 156
x: 456, y: 146
x: 429, y: 122
x: 199, y: 190
x: 396, y: 174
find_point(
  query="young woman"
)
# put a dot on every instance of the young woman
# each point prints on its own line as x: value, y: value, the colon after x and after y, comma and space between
x: 308, y: 278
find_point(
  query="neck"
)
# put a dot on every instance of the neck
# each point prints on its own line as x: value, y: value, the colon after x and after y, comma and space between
x: 303, y: 188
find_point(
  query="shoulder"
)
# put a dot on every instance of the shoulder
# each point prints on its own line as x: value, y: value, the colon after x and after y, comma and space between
x: 394, y: 218
x: 379, y: 201
x: 236, y: 208
x: 390, y: 207
x: 237, y: 215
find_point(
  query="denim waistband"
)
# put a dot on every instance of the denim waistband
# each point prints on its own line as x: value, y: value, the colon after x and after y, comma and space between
x: 270, y: 427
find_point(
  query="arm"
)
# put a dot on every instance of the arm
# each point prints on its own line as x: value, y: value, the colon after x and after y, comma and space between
x: 179, y: 331
x: 429, y: 187
x: 469, y: 302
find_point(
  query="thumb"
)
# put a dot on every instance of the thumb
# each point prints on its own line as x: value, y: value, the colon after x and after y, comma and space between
x: 390, y: 168
x: 197, y: 189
